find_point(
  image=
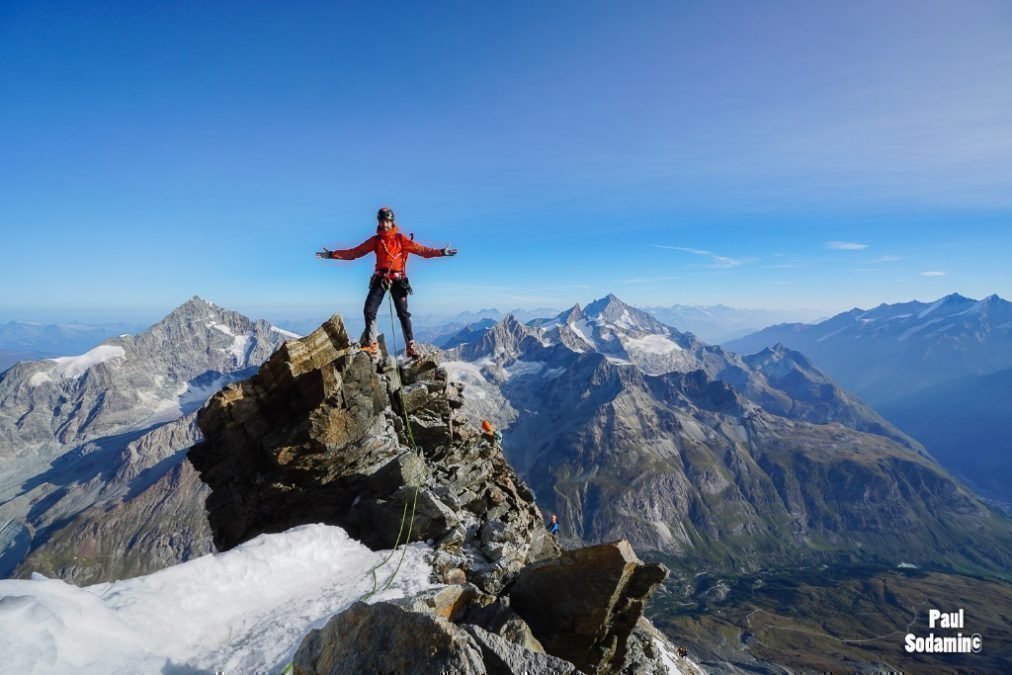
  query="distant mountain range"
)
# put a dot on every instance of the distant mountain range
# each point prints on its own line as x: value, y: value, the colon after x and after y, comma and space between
x: 20, y: 340
x: 937, y: 370
x: 95, y: 441
x: 716, y: 324
x: 895, y: 350
x: 629, y: 428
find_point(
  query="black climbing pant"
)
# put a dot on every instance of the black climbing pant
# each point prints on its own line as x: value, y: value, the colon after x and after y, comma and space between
x: 399, y: 290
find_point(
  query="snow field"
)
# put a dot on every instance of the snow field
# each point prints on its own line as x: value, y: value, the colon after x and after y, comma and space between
x: 243, y: 610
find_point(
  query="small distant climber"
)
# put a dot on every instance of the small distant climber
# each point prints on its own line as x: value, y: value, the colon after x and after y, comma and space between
x: 489, y: 432
x: 391, y: 249
x: 553, y: 527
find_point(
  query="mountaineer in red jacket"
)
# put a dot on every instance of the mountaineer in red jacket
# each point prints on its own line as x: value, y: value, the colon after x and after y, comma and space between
x: 391, y: 249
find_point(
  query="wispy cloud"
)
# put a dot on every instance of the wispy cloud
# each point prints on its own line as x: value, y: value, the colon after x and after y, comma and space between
x: 720, y: 262
x: 885, y: 259
x: 646, y: 280
x: 933, y: 273
x: 846, y: 245
x: 784, y: 266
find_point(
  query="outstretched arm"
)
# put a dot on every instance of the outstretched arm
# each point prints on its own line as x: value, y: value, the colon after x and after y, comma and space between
x: 412, y: 247
x: 367, y: 246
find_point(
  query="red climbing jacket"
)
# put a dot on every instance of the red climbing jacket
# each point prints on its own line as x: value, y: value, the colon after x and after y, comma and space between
x: 391, y: 249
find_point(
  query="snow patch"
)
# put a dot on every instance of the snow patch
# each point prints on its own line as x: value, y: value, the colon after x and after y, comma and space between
x: 918, y: 328
x: 286, y: 333
x: 667, y: 658
x: 39, y: 378
x: 240, y: 343
x: 831, y: 334
x: 244, y: 610
x: 930, y: 308
x: 523, y: 368
x: 625, y: 321
x: 468, y: 374
x: 907, y: 566
x: 581, y: 328
x: 653, y: 344
x: 75, y: 366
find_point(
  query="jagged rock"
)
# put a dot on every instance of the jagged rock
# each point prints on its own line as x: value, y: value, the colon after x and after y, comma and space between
x: 418, y: 635
x: 448, y: 602
x: 503, y: 657
x: 322, y: 434
x: 496, y: 617
x: 583, y: 605
x: 643, y: 654
x: 386, y: 638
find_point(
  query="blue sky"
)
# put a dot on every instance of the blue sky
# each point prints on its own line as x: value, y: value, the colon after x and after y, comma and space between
x: 771, y: 155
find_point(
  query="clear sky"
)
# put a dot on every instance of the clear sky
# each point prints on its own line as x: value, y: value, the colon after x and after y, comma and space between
x: 756, y: 154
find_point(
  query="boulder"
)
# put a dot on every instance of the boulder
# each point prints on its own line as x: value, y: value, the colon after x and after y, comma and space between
x: 583, y: 605
x: 386, y: 638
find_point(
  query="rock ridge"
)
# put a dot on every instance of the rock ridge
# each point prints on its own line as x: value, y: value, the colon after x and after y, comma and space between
x: 322, y: 433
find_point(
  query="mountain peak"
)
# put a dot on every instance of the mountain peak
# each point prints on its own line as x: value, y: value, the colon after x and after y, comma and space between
x: 611, y: 310
x: 608, y: 302
x: 574, y: 313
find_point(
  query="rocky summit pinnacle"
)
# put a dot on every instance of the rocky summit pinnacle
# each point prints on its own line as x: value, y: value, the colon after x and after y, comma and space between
x: 323, y: 434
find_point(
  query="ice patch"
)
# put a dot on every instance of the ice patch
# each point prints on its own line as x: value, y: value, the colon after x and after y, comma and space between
x: 553, y: 373
x: 523, y: 368
x: 75, y: 366
x: 579, y: 327
x: 240, y: 343
x: 220, y: 327
x: 39, y: 378
x: 244, y: 610
x: 468, y: 374
x: 625, y: 321
x: 653, y: 344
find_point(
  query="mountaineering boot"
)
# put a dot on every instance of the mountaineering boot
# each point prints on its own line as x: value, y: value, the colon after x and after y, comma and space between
x: 412, y: 351
x: 372, y: 349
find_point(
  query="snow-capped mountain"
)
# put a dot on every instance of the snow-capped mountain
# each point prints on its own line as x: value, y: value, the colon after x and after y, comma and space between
x: 25, y: 340
x: 895, y: 350
x: 105, y: 426
x: 627, y: 427
x: 782, y: 381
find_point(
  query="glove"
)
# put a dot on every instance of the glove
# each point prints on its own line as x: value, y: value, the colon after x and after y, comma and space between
x: 447, y: 251
x: 325, y: 253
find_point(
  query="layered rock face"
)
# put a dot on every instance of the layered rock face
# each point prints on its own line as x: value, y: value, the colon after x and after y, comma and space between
x: 323, y: 434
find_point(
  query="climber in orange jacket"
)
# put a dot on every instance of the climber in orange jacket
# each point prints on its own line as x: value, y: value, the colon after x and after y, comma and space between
x: 392, y: 249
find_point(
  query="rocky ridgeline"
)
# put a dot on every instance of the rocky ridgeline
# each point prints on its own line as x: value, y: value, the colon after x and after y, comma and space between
x: 323, y: 434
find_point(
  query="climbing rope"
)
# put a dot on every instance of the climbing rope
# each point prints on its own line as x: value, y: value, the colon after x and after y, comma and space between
x: 413, y: 479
